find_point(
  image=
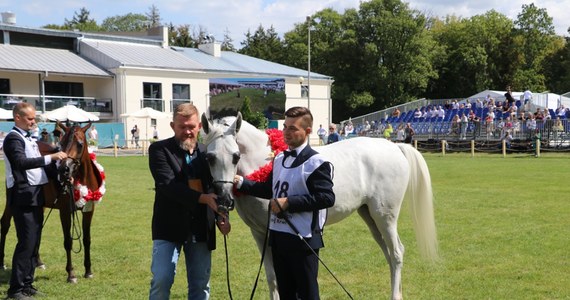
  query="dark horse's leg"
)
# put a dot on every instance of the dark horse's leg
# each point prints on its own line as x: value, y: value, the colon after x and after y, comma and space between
x: 4, y: 228
x: 87, y: 217
x: 65, y: 214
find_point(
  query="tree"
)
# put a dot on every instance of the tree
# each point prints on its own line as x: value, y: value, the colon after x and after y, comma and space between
x: 535, y: 39
x: 397, y: 55
x: 81, y: 21
x: 256, y: 119
x: 181, y: 36
x: 263, y: 44
x: 125, y: 23
x: 153, y: 15
x: 227, y: 43
x: 471, y: 59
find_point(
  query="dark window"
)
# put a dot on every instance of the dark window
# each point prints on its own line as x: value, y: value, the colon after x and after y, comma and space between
x: 152, y: 90
x: 181, y: 91
x: 4, y: 86
x: 304, y: 91
x: 67, y: 89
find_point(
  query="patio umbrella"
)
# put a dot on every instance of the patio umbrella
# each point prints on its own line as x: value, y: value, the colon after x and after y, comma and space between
x: 70, y: 113
x: 147, y: 113
x: 5, y: 114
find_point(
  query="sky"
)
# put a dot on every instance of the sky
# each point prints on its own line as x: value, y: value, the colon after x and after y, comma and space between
x: 239, y: 16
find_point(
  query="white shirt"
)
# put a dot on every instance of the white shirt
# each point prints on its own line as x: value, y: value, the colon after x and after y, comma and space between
x: 36, y: 176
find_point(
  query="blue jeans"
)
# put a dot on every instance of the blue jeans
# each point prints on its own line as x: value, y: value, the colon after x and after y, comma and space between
x: 165, y: 256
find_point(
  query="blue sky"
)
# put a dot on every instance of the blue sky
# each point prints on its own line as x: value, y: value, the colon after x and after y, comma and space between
x: 237, y: 16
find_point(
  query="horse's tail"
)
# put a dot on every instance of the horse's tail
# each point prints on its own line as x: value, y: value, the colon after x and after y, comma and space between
x: 421, y: 202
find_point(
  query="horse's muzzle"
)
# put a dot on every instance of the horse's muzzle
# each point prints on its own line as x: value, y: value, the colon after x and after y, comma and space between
x: 225, y: 203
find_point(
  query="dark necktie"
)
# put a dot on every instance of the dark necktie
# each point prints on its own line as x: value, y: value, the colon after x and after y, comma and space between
x: 292, y: 153
x: 28, y: 134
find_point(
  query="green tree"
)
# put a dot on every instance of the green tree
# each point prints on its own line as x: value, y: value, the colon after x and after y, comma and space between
x: 535, y: 40
x: 397, y: 56
x: 82, y: 21
x: 181, y: 36
x: 472, y: 56
x: 557, y: 68
x: 153, y: 15
x: 125, y: 23
x: 256, y: 119
x: 227, y: 43
x: 263, y: 44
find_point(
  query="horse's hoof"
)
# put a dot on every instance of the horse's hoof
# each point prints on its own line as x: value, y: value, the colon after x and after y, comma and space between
x: 72, y: 280
x: 88, y: 275
x: 42, y: 266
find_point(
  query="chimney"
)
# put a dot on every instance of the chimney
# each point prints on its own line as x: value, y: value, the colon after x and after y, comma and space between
x: 212, y: 48
x: 9, y: 18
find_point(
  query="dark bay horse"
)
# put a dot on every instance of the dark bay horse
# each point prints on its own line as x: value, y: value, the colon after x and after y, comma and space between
x: 61, y: 194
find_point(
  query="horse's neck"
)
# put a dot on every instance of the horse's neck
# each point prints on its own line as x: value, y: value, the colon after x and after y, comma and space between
x: 87, y: 173
x: 253, y: 148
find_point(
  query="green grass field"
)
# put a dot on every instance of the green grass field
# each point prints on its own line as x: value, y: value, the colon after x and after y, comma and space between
x: 503, y: 228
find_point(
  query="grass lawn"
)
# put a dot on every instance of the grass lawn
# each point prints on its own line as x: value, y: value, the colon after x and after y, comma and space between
x: 503, y: 228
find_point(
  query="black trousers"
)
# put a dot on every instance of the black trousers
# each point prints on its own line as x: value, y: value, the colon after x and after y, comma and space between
x: 28, y: 221
x: 296, y: 271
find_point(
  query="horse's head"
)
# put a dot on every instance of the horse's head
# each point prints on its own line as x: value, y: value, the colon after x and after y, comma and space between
x: 74, y: 143
x: 223, y: 156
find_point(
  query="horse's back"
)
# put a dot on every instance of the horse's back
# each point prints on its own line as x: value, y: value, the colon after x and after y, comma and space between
x: 367, y: 171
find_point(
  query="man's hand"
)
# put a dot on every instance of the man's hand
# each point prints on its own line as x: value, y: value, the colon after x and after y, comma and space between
x: 224, y: 224
x: 279, y: 205
x: 210, y: 200
x: 58, y: 156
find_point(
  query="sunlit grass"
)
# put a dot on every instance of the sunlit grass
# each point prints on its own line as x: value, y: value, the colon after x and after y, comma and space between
x: 503, y: 227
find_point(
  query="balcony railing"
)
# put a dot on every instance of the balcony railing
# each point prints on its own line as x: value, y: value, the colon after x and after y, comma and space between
x: 175, y: 102
x: 153, y: 103
x: 90, y: 104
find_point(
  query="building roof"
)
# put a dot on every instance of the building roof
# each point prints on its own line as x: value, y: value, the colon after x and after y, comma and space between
x: 232, y: 62
x: 34, y: 59
x: 114, y: 54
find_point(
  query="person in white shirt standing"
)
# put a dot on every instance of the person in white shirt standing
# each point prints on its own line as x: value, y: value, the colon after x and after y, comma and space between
x: 25, y: 176
x: 300, y: 186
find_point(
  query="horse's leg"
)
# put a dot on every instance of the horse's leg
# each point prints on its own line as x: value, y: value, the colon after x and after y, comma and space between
x: 384, y: 230
x: 65, y: 216
x: 4, y: 228
x: 86, y: 224
x: 259, y: 237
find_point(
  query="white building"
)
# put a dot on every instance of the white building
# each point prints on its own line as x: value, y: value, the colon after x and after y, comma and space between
x: 111, y: 75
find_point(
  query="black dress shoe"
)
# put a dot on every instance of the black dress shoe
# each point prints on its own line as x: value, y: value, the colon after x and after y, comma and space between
x: 32, y: 291
x: 20, y: 296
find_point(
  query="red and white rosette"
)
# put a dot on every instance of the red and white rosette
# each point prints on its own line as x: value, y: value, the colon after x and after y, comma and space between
x: 82, y: 194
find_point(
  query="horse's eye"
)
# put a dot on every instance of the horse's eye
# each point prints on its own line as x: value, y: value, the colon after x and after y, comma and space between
x: 236, y: 157
x: 210, y: 157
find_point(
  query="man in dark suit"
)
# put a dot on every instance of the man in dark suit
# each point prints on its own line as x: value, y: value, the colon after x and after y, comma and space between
x: 300, y: 186
x: 184, y: 212
x: 25, y: 176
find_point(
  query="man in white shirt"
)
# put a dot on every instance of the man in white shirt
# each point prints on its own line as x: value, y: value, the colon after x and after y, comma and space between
x: 25, y: 176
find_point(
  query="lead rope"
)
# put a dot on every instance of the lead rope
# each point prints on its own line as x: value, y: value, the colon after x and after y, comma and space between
x: 265, y: 242
x: 228, y: 269
x: 284, y: 217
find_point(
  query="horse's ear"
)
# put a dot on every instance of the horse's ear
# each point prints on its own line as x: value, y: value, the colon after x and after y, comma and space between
x: 237, y: 124
x: 61, y: 125
x: 84, y: 129
x: 205, y: 123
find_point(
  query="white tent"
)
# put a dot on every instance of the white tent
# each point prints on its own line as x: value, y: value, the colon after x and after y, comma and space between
x: 497, y: 95
x: 5, y: 114
x: 147, y: 113
x: 70, y: 113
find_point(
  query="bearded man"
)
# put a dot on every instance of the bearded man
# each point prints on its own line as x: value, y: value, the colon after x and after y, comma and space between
x: 184, y: 212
